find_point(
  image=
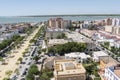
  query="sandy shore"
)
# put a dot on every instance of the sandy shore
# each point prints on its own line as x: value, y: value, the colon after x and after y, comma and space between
x: 12, y: 61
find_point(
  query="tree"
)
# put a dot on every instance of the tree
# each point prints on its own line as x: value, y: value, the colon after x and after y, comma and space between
x: 1, y: 59
x: 32, y: 71
x: 20, y: 59
x: 8, y: 73
x: 39, y: 51
x: 6, y: 78
x: 36, y: 58
x: 58, y: 37
x: 46, y: 74
x: 67, y: 47
x: 61, y: 36
x: 44, y: 50
x: 107, y: 44
x: 30, y: 77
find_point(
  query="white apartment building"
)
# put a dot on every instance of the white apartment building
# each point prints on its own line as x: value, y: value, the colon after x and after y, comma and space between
x: 97, y: 54
x: 79, y: 57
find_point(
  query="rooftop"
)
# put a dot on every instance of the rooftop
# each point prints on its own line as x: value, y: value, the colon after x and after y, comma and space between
x: 100, y: 53
x: 77, y: 54
x: 57, y: 41
x: 65, y: 67
x: 109, y: 61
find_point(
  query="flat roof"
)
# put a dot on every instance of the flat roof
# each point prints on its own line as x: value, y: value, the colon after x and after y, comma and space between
x: 109, y: 61
x: 100, y: 53
x: 76, y: 54
x: 66, y: 67
x: 57, y: 41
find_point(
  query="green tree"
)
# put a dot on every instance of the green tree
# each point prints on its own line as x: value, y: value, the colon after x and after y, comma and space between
x: 36, y: 58
x: 39, y: 51
x: 32, y: 71
x: 30, y: 77
x: 20, y: 59
x: 67, y: 47
x: 44, y: 50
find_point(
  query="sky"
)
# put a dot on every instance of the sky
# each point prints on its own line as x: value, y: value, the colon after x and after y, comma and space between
x: 58, y: 7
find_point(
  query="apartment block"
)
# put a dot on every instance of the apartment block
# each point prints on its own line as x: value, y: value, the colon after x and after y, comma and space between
x: 56, y: 23
x: 113, y: 72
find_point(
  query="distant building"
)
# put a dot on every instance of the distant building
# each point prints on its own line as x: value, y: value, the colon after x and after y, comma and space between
x: 109, y: 21
x: 112, y: 73
x: 58, y: 23
x: 108, y: 28
x: 68, y: 70
x: 52, y: 34
x: 113, y: 26
x: 87, y: 32
x: 115, y: 22
x: 116, y: 30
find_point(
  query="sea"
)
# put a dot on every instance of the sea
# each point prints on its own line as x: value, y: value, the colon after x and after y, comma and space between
x: 6, y: 20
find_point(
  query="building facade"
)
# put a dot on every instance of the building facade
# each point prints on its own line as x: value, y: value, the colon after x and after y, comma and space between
x: 97, y: 55
x: 69, y: 70
x: 112, y: 73
x: 79, y: 57
x: 58, y: 23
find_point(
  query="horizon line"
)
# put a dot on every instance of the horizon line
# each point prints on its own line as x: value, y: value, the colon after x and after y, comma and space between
x: 55, y: 15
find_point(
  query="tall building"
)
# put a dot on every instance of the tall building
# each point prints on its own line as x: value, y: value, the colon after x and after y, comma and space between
x: 108, y: 28
x: 66, y: 23
x: 115, y: 22
x: 69, y: 70
x: 109, y: 21
x: 56, y: 23
x: 52, y: 23
x: 104, y: 22
x: 59, y: 23
x: 116, y: 30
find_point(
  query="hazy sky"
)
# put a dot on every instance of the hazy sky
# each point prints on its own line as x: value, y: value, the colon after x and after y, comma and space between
x: 51, y: 7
